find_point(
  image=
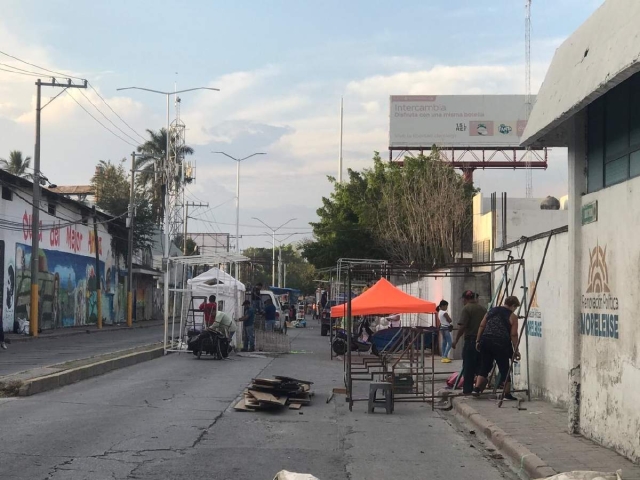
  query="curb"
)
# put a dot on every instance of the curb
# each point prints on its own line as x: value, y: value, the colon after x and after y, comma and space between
x: 76, y: 331
x: 520, y: 455
x: 67, y: 377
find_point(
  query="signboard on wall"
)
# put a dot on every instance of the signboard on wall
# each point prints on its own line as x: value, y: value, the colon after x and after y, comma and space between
x: 474, y: 121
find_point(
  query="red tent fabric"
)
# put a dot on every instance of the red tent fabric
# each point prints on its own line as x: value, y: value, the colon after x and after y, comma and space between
x: 384, y: 299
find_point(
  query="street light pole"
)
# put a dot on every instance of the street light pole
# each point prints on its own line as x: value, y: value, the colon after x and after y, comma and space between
x: 238, y: 160
x: 273, y: 252
x: 167, y: 239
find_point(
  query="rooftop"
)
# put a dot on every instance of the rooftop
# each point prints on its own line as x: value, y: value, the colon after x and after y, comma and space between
x: 600, y: 54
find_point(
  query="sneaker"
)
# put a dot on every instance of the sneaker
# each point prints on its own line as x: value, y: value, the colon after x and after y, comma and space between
x: 508, y: 396
x: 476, y: 392
x: 3, y: 346
x: 446, y: 360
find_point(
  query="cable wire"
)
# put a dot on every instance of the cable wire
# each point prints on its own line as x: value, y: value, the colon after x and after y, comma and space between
x: 40, y: 68
x: 105, y: 117
x: 102, y: 124
x: 114, y: 112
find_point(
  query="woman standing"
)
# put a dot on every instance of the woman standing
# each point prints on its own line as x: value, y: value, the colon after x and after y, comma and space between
x: 496, y: 341
x: 446, y: 326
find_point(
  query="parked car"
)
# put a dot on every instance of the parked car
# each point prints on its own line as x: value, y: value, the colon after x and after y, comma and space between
x: 282, y: 315
x: 325, y: 320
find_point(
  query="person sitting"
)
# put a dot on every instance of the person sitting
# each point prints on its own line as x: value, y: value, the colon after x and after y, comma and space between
x: 496, y: 341
x: 210, y: 310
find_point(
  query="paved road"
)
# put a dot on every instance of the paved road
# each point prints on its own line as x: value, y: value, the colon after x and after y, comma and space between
x: 48, y: 351
x: 171, y: 418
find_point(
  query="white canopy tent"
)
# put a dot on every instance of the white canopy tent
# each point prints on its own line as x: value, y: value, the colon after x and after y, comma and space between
x: 229, y: 292
x: 215, y: 281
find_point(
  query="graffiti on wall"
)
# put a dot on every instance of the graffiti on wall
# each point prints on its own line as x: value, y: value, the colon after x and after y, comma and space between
x: 68, y: 288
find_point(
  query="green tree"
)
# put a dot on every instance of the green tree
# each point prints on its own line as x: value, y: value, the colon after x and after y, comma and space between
x: 192, y: 246
x: 17, y: 164
x: 300, y: 273
x: 346, y: 226
x: 112, y: 192
x: 154, y: 152
x: 409, y: 213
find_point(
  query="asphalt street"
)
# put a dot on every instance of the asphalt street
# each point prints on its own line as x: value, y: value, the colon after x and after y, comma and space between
x: 173, y: 418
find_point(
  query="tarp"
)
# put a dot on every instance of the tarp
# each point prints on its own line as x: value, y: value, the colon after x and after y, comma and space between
x: 384, y: 299
x: 217, y: 281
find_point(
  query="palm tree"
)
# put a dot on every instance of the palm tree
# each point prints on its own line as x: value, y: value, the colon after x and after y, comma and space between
x: 150, y: 175
x: 17, y: 165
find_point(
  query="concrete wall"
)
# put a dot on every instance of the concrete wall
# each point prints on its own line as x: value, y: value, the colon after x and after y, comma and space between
x: 524, y: 219
x: 549, y: 321
x: 609, y: 327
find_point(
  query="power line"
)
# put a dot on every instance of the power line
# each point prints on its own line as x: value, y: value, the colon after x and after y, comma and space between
x: 114, y: 112
x: 20, y: 73
x: 102, y: 124
x: 22, y: 69
x: 40, y: 68
x: 107, y: 118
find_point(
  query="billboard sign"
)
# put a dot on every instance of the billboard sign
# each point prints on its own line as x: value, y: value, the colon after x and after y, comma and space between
x: 462, y: 121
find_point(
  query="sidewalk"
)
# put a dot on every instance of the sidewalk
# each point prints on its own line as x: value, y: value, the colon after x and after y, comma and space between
x: 538, y: 436
x: 76, y: 344
x: 70, y: 331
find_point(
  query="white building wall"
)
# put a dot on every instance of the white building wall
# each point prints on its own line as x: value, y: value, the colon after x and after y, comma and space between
x: 609, y: 327
x: 549, y: 321
x: 67, y: 266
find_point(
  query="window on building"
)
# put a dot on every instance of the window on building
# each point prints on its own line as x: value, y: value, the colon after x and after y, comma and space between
x: 52, y: 209
x: 613, y: 136
x: 7, y: 194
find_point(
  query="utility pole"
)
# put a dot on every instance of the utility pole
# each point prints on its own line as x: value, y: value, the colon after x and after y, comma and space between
x: 96, y: 245
x: 35, y: 212
x: 340, y: 153
x: 130, y: 249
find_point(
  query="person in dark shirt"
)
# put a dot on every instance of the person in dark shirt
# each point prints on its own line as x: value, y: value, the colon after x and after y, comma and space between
x: 248, y: 334
x: 210, y: 309
x: 470, y: 319
x: 269, y: 316
x: 497, y: 339
x: 256, y: 297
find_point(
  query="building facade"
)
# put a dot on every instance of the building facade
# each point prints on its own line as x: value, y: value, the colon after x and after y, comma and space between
x: 69, y: 260
x: 590, y: 103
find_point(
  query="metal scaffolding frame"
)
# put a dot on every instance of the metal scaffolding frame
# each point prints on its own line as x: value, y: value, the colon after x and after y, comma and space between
x: 406, y: 355
x: 176, y: 264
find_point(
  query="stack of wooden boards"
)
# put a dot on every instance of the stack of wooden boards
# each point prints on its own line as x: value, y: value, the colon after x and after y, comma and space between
x: 275, y: 394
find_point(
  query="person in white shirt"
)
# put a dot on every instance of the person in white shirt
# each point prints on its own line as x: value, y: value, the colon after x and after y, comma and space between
x: 224, y: 324
x: 446, y: 326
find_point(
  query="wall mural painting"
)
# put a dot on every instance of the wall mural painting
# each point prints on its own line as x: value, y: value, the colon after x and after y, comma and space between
x: 67, y: 288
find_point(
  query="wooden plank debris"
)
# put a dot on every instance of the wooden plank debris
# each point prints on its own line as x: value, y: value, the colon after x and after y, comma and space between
x: 275, y: 393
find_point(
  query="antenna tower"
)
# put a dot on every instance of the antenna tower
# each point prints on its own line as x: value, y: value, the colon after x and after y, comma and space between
x: 527, y: 76
x: 176, y: 182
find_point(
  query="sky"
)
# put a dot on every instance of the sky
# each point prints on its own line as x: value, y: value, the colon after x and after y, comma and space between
x: 281, y: 67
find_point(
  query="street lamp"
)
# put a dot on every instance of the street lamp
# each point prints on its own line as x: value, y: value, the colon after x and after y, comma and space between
x: 273, y: 253
x: 280, y: 265
x: 167, y: 238
x: 238, y: 160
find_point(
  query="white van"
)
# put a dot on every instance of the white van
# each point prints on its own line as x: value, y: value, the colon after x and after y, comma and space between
x: 281, y: 315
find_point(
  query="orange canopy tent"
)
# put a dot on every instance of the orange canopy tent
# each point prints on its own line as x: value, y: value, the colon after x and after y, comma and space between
x: 384, y: 299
